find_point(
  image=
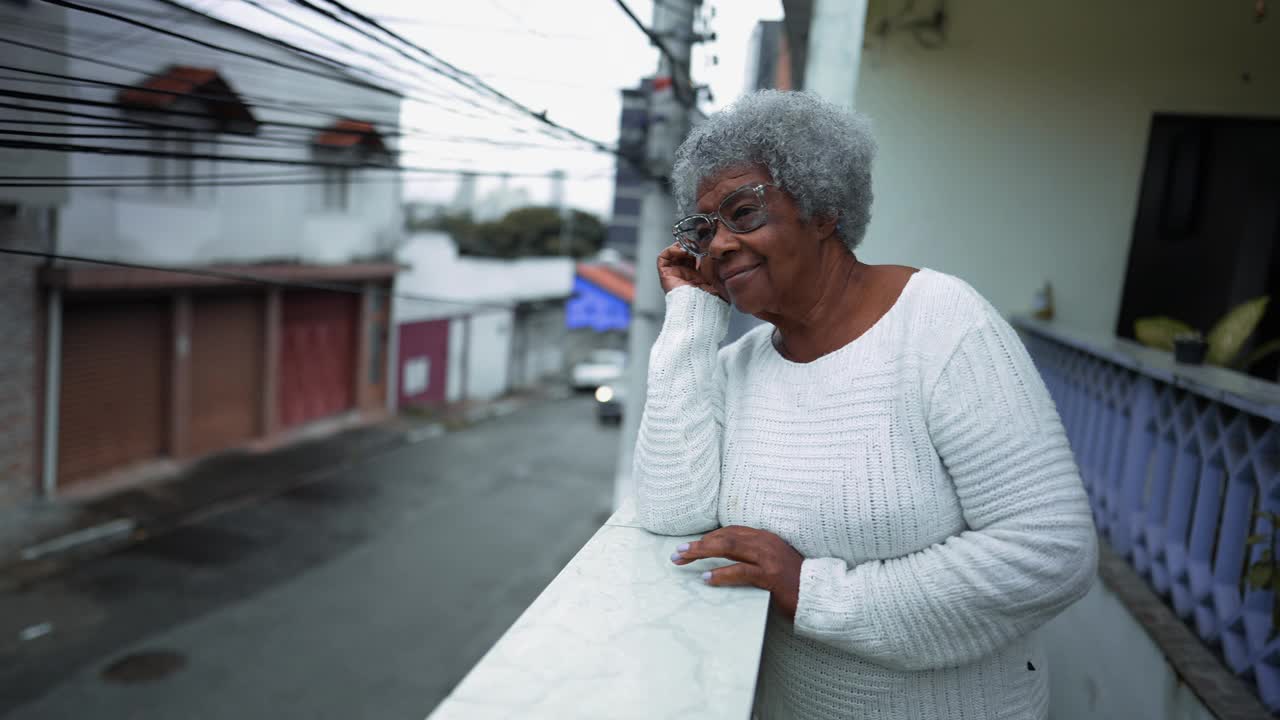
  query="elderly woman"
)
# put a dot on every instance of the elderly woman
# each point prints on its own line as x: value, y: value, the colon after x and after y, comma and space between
x: 880, y: 454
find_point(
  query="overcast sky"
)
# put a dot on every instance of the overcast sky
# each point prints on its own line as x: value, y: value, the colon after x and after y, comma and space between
x: 568, y: 57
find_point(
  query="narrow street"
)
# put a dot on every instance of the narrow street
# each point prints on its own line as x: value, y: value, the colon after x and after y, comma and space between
x: 366, y: 595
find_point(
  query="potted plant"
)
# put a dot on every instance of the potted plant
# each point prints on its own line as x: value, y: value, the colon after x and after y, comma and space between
x: 1221, y: 346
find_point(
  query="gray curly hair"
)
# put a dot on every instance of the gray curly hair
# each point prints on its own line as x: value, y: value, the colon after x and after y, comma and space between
x: 818, y: 153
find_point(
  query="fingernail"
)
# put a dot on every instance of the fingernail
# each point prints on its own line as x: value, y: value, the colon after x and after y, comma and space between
x: 682, y: 547
x: 706, y: 576
x: 675, y: 557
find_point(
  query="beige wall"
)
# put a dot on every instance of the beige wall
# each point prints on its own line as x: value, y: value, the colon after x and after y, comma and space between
x: 1014, y: 154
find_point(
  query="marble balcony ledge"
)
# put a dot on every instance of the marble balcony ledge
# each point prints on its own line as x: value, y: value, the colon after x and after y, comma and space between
x: 1235, y: 389
x: 622, y: 633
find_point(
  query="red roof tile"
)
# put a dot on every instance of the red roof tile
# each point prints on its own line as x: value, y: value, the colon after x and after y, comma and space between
x: 350, y: 134
x: 171, y: 84
x: 609, y: 280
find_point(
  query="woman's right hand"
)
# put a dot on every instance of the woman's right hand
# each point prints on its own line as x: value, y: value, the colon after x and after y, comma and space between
x: 677, y: 268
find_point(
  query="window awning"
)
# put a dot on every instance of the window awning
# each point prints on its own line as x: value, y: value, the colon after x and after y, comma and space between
x: 191, y: 91
x: 355, y: 141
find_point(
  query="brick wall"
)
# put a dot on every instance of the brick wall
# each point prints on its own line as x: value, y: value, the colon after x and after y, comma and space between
x: 21, y: 333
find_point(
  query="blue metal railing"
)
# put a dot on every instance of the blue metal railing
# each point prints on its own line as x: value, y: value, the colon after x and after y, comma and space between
x: 1177, y: 482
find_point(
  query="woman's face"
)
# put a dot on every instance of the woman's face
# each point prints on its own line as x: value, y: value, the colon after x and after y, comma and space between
x: 763, y: 270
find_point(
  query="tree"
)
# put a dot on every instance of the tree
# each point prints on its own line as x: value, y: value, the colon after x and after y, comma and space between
x: 524, y: 232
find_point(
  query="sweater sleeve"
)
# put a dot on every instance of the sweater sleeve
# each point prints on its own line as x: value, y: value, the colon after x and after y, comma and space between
x: 1030, y: 547
x: 677, y: 455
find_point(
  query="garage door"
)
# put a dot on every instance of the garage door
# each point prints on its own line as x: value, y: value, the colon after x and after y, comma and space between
x: 317, y: 355
x: 114, y: 404
x: 423, y: 362
x: 226, y: 371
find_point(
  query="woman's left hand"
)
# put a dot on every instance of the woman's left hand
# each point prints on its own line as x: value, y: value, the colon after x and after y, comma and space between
x: 764, y: 560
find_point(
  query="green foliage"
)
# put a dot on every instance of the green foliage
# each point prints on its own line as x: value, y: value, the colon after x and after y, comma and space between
x: 1262, y: 573
x: 524, y: 232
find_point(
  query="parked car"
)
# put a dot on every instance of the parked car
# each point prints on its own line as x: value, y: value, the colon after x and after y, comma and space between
x: 601, y: 367
x: 609, y: 402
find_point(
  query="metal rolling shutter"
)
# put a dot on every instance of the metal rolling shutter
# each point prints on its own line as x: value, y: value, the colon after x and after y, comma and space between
x: 114, y: 402
x: 226, y: 371
x: 317, y: 355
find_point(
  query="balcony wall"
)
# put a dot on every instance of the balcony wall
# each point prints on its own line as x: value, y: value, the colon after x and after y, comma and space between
x: 1177, y: 461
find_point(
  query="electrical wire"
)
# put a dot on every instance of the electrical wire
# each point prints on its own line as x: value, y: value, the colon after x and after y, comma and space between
x: 344, y: 45
x: 539, y: 116
x: 320, y: 163
x: 405, y: 133
x: 250, y: 279
x: 232, y: 51
x: 678, y: 66
x: 466, y: 79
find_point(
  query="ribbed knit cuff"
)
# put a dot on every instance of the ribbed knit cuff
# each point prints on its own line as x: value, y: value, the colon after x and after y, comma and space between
x: 831, y: 608
x: 691, y: 311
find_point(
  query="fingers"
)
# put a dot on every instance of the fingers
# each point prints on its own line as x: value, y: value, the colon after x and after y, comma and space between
x: 739, y: 574
x: 732, y: 543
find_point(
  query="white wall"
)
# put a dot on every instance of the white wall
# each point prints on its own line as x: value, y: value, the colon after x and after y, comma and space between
x: 486, y: 288
x: 488, y: 355
x: 1104, y: 666
x: 1014, y: 154
x: 435, y: 269
x: 234, y: 224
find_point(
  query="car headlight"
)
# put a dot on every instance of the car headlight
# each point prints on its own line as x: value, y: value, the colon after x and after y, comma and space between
x: 604, y: 394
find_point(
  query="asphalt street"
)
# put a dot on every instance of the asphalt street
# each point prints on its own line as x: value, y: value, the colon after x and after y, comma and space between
x: 368, y: 594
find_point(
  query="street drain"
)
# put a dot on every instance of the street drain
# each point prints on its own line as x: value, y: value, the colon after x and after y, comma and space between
x: 144, y: 667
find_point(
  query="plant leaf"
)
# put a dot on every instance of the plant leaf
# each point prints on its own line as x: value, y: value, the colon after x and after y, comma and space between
x: 1230, y: 333
x: 1260, y: 575
x: 1265, y: 556
x: 1158, y: 332
x: 1256, y: 539
x: 1260, y: 353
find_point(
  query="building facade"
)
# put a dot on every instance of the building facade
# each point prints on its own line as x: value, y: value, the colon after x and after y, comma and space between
x: 248, y: 299
x: 474, y: 329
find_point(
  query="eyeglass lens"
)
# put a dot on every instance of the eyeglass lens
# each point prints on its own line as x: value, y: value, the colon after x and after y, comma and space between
x: 742, y: 211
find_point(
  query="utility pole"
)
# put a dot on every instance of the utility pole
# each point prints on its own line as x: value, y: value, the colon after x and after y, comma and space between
x: 562, y: 207
x: 669, y: 123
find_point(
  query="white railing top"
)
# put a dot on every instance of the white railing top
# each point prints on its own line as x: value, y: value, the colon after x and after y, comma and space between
x: 1241, y: 391
x: 622, y: 633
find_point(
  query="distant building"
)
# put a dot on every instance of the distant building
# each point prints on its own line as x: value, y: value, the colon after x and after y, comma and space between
x: 491, y: 325
x: 628, y: 188
x: 769, y: 57
x: 598, y: 315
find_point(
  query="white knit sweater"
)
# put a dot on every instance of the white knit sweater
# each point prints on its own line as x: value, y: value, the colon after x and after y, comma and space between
x: 921, y: 470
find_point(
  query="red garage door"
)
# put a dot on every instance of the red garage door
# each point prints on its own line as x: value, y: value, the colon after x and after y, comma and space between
x: 317, y: 355
x: 113, y: 409
x: 423, y: 362
x: 226, y: 371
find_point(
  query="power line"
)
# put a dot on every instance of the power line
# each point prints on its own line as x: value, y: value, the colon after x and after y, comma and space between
x: 249, y: 279
x: 462, y: 77
x: 437, y: 70
x: 231, y: 51
x: 341, y: 43
x: 261, y: 103
x: 143, y: 152
x: 676, y: 63
x: 402, y: 132
x: 257, y: 101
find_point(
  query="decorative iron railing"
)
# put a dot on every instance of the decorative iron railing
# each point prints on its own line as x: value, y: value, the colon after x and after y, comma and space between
x: 1182, y: 466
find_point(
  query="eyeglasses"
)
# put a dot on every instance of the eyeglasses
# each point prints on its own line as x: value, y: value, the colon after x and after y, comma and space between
x: 742, y: 211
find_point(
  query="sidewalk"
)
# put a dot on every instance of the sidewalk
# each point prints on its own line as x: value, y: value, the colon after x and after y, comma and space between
x: 38, y: 540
